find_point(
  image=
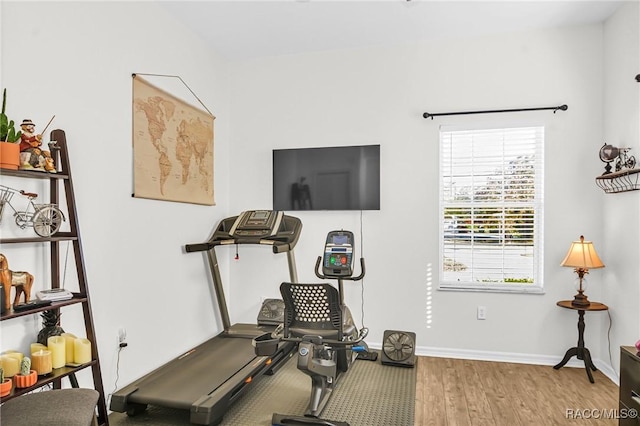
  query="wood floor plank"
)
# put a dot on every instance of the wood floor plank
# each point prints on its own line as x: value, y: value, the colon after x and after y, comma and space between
x: 457, y: 413
x: 477, y: 403
x: 492, y: 379
x: 464, y: 392
x: 430, y: 406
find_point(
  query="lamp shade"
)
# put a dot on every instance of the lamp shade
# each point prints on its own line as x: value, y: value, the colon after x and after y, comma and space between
x: 582, y: 255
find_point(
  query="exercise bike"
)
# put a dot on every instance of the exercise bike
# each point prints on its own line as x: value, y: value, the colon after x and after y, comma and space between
x: 316, y: 318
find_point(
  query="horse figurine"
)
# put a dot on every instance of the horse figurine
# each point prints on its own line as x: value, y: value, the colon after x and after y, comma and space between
x: 21, y: 280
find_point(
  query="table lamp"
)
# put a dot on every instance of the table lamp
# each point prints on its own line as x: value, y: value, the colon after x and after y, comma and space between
x: 582, y: 256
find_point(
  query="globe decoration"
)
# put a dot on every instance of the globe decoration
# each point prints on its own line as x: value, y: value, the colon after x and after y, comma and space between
x: 608, y: 153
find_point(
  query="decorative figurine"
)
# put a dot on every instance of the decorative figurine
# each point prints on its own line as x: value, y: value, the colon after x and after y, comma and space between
x: 50, y: 326
x: 21, y: 280
x: 619, y: 156
x: 624, y: 160
x: 32, y: 157
x: 45, y: 219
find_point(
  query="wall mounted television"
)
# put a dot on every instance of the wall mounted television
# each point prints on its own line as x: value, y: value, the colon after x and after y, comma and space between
x: 332, y: 178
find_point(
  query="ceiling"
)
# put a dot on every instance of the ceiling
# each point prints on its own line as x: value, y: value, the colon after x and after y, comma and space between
x: 251, y: 29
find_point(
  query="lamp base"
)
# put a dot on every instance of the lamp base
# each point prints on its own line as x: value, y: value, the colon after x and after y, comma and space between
x: 580, y: 300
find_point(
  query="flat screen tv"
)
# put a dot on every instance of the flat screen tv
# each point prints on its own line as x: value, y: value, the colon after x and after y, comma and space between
x: 333, y: 178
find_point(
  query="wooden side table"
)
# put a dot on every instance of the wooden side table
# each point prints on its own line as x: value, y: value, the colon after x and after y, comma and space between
x: 580, y: 351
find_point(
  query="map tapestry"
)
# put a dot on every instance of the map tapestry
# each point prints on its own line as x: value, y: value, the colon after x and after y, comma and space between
x: 172, y: 147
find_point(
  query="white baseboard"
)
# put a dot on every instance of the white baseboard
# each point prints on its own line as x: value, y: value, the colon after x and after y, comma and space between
x: 517, y: 358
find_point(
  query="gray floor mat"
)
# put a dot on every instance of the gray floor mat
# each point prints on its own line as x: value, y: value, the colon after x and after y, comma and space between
x: 368, y: 394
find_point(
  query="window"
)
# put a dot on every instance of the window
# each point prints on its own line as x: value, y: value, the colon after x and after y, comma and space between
x: 491, y: 206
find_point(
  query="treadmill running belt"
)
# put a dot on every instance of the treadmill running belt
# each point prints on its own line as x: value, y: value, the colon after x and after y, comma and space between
x: 181, y: 382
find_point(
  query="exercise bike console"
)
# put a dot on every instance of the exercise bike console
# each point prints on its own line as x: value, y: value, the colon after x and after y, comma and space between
x: 338, y: 254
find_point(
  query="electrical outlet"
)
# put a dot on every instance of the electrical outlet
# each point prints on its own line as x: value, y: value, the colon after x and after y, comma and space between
x: 122, y: 335
x: 482, y: 312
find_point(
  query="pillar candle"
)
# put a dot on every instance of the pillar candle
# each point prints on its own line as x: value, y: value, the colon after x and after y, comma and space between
x: 56, y: 345
x: 35, y: 347
x: 68, y: 348
x: 13, y: 353
x: 10, y: 365
x: 41, y: 362
x: 82, y: 351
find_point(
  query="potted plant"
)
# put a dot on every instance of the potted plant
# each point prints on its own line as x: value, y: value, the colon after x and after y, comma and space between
x: 9, y: 139
x: 5, y: 384
x: 26, y: 377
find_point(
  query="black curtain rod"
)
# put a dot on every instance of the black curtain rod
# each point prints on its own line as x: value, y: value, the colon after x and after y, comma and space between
x: 554, y: 108
x: 638, y: 78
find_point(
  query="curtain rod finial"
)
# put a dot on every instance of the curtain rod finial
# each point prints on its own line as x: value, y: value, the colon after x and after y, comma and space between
x: 427, y: 115
x: 638, y: 78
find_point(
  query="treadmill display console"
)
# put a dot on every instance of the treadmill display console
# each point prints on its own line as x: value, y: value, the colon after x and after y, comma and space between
x: 257, y: 223
x: 338, y: 254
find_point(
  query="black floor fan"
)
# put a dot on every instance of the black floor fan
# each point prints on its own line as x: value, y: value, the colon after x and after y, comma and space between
x: 399, y: 348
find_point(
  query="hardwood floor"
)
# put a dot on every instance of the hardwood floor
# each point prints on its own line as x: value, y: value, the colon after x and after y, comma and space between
x: 463, y: 392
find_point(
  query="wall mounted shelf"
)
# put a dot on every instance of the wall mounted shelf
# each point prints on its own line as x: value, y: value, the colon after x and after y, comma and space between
x: 622, y: 181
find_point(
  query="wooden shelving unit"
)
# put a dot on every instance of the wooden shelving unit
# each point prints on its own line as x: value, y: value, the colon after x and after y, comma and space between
x: 56, y: 181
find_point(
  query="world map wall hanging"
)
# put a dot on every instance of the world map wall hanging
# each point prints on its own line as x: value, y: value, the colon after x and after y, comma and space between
x: 172, y: 146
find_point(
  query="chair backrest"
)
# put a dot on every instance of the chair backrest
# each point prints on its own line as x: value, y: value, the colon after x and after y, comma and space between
x: 312, y: 309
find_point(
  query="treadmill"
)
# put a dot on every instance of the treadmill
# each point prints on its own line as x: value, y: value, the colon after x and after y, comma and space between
x: 208, y: 378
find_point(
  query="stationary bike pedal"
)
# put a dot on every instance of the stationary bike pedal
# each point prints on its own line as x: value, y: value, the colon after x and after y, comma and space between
x: 285, y: 420
x: 367, y: 356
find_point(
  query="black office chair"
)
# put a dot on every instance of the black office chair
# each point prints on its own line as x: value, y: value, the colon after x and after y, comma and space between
x: 315, y: 317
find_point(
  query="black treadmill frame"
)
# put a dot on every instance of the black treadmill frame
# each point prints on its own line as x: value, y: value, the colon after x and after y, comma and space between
x: 210, y: 407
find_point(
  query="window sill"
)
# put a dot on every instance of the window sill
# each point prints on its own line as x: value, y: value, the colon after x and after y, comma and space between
x: 520, y: 290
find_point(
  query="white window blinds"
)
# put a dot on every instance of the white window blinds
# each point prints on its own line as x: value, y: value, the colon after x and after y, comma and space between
x: 491, y: 205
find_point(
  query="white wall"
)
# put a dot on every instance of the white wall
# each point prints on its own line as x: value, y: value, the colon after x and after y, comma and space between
x: 621, y: 211
x: 75, y: 60
x: 378, y: 95
x: 139, y: 278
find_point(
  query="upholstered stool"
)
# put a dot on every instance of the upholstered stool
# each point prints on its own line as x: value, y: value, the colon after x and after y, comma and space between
x: 68, y: 407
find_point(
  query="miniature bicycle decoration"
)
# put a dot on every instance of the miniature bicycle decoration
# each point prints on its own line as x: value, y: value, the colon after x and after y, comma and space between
x: 624, y: 160
x: 45, y: 219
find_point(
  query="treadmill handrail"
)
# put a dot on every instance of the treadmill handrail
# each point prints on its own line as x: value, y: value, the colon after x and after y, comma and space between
x: 278, y: 246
